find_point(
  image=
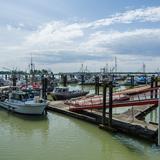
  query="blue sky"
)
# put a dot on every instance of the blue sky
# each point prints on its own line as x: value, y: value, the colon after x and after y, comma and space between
x: 63, y: 34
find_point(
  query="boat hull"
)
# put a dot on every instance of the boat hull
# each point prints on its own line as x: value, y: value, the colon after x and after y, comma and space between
x: 68, y: 96
x: 32, y: 109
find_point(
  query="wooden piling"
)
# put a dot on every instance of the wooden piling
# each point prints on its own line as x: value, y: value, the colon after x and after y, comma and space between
x: 104, y: 103
x: 82, y: 79
x: 26, y: 79
x: 6, y: 77
x: 132, y: 81
x: 64, y: 80
x: 110, y: 103
x: 44, y: 87
x: 14, y: 80
x: 152, y: 85
x: 97, y: 85
x: 156, y: 85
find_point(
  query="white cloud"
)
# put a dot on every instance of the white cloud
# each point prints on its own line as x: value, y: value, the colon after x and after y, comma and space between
x: 89, y: 41
x: 55, y: 32
x: 140, y: 41
x: 150, y: 14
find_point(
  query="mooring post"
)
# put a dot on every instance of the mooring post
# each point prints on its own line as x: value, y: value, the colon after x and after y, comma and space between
x: 26, y: 79
x: 52, y: 77
x: 159, y: 120
x: 104, y: 102
x: 110, y: 102
x: 44, y: 87
x: 156, y: 85
x: 82, y: 79
x: 6, y: 77
x: 145, y: 79
x: 152, y: 85
x: 42, y: 81
x: 14, y: 79
x: 132, y: 81
x: 96, y: 85
x: 65, y: 80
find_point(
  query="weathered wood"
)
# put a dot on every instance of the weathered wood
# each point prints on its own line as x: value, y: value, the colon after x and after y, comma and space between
x: 110, y: 102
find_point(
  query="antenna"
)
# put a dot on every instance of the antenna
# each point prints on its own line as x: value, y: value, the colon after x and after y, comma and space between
x: 32, y: 66
x: 81, y: 69
x: 106, y: 68
x: 144, y: 68
x: 32, y: 69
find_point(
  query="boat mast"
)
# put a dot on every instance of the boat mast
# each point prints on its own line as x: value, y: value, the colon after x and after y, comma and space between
x: 32, y: 69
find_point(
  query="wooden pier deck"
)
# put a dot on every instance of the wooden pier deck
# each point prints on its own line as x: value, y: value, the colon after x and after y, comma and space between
x: 130, y: 122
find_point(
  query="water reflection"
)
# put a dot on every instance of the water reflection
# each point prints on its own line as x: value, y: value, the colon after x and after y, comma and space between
x: 138, y: 146
x: 63, y: 138
x: 23, y: 123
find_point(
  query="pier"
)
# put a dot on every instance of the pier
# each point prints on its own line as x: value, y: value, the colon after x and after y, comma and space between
x: 131, y: 122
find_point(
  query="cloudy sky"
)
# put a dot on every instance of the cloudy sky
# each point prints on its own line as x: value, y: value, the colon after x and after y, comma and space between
x: 62, y: 34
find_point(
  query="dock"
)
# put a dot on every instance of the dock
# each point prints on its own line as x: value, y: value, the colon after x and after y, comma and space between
x: 130, y: 123
x: 138, y: 101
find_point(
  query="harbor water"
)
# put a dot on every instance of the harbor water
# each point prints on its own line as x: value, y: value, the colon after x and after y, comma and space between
x: 63, y: 138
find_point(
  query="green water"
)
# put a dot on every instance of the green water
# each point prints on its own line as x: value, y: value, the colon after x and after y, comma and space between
x: 58, y: 137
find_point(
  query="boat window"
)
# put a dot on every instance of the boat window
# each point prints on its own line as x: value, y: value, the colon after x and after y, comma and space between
x: 17, y: 97
x: 25, y: 96
x: 31, y: 95
x: 12, y: 96
x: 57, y: 90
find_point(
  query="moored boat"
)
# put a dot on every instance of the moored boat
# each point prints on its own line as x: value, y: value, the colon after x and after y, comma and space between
x: 24, y: 103
x: 62, y: 93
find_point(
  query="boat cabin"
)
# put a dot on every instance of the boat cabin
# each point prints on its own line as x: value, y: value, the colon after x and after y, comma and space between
x: 21, y: 96
x: 61, y: 90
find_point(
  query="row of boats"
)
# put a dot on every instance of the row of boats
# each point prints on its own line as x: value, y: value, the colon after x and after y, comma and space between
x: 26, y: 101
x: 117, y: 80
x: 86, y: 79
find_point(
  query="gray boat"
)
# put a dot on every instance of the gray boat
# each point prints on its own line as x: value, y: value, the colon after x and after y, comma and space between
x: 62, y: 93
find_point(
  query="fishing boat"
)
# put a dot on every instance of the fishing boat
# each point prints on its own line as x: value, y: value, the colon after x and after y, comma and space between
x: 24, y: 103
x: 62, y: 93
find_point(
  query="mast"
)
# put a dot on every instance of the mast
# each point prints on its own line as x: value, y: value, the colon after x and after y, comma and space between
x: 32, y: 69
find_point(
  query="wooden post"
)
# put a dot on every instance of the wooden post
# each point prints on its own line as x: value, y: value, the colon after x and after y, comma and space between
x: 156, y: 85
x: 44, y: 87
x: 110, y: 102
x: 43, y: 90
x: 82, y: 79
x: 145, y: 76
x: 26, y: 78
x: 65, y: 80
x: 132, y: 81
x: 152, y: 85
x: 104, y: 103
x: 6, y: 77
x: 14, y: 79
x: 97, y: 85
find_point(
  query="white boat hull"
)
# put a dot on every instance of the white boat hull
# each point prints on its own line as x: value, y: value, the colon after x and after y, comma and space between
x: 23, y: 108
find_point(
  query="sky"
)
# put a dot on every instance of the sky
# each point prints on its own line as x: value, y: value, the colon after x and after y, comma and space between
x: 61, y: 35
